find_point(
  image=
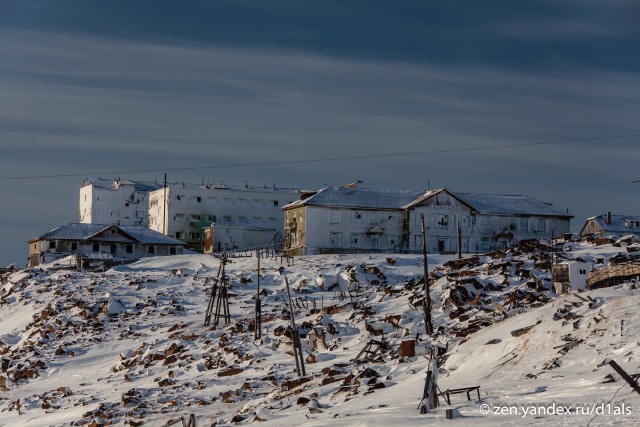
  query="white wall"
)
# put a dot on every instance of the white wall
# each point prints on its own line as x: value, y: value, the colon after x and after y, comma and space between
x: 442, y: 213
x: 121, y: 206
x: 189, y: 208
x: 347, y: 227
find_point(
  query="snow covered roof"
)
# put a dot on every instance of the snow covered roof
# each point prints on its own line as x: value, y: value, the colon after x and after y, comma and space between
x: 79, y: 231
x: 364, y: 198
x: 509, y: 204
x: 619, y: 224
x: 367, y: 198
x: 114, y: 184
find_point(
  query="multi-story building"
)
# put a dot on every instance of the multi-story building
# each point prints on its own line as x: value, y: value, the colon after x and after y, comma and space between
x: 242, y: 217
x: 119, y: 202
x: 373, y: 220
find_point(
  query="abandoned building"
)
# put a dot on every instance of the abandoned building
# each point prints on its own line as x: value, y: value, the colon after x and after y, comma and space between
x: 115, y: 201
x: 348, y: 219
x: 219, y: 216
x: 123, y: 243
x: 609, y: 225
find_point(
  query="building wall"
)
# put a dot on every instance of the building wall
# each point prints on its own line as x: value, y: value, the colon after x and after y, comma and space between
x: 442, y: 214
x: 189, y: 209
x: 345, y: 228
x: 122, y: 205
x: 323, y: 228
x: 41, y: 251
x: 488, y: 227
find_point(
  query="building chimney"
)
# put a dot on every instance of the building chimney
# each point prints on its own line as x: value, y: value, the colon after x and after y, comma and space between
x: 608, y: 218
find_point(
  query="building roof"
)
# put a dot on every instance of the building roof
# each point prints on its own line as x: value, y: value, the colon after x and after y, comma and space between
x: 367, y: 198
x: 79, y: 231
x: 114, y: 184
x: 509, y: 205
x: 363, y: 198
x: 620, y: 224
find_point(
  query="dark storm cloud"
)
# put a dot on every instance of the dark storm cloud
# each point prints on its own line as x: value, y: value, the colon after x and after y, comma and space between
x: 116, y: 86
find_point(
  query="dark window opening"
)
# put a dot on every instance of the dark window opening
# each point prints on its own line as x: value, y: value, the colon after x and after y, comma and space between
x: 129, y: 249
x: 151, y: 250
x: 96, y: 247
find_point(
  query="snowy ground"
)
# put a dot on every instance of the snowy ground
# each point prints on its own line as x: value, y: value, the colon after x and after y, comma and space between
x: 128, y: 346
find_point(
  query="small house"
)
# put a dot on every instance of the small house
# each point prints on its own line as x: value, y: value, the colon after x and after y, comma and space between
x: 119, y: 243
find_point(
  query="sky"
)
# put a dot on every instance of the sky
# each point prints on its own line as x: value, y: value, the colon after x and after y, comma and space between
x: 540, y: 98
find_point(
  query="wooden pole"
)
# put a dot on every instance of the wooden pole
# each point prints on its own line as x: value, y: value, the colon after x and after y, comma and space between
x: 164, y: 207
x: 459, y: 241
x: 426, y: 306
x: 295, y: 337
x: 258, y: 323
x: 625, y: 376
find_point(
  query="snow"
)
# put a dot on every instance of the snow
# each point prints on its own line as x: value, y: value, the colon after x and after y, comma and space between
x: 129, y: 345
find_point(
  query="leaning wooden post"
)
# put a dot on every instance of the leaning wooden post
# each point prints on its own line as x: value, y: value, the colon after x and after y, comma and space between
x: 426, y: 306
x: 625, y: 376
x: 295, y: 336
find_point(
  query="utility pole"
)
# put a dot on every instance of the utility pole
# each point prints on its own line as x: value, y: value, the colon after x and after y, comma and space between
x: 165, y: 202
x: 459, y: 240
x: 428, y: 326
x: 258, y: 322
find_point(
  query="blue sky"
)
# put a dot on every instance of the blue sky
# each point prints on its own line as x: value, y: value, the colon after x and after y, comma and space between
x: 90, y: 87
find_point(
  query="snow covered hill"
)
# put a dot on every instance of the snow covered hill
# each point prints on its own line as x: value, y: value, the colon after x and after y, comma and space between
x: 128, y: 346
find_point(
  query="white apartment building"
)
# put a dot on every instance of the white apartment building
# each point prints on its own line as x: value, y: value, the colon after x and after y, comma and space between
x: 119, y: 202
x: 242, y: 217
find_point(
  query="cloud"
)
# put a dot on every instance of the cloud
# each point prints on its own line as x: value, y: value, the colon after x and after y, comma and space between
x: 81, y: 104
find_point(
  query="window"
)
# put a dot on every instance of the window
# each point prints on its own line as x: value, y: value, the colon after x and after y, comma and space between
x: 336, y: 216
x: 211, y: 218
x: 275, y: 203
x: 178, y: 217
x: 74, y: 246
x: 541, y: 224
x: 228, y: 201
x: 196, y: 199
x: 356, y: 217
x: 373, y: 218
x: 96, y: 247
x: 375, y: 242
x: 257, y: 202
x: 335, y: 240
x: 172, y: 251
x: 242, y: 220
x: 151, y: 249
x: 242, y: 202
x: 129, y: 248
x: 153, y: 203
x: 226, y: 219
x: 443, y: 221
x: 194, y: 235
x: 178, y: 235
x: 179, y: 197
x: 257, y: 220
x: 355, y: 240
x: 52, y: 245
x: 195, y: 217
x: 212, y: 200
x: 523, y: 224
